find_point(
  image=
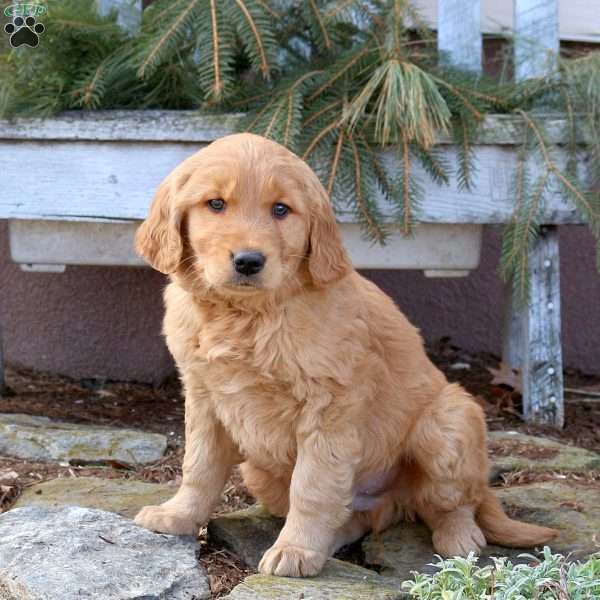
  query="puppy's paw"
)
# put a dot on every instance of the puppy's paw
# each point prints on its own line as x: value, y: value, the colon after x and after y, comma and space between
x: 458, y: 539
x: 166, y: 520
x: 291, y: 561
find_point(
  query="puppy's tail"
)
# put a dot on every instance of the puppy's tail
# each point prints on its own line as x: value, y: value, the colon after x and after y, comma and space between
x: 498, y: 528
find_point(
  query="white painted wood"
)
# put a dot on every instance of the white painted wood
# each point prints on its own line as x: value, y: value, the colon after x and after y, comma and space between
x: 42, y: 268
x: 123, y: 125
x: 579, y: 20
x: 446, y: 249
x: 437, y: 273
x: 542, y: 360
x: 117, y: 180
x: 192, y: 126
x: 459, y: 33
x: 536, y: 40
x: 129, y: 13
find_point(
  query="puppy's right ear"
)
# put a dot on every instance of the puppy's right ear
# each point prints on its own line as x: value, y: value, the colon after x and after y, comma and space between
x: 158, y: 238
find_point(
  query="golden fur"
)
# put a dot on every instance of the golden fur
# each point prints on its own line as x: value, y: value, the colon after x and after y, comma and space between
x: 309, y: 376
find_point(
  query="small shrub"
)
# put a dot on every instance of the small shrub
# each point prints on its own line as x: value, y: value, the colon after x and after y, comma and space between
x: 548, y: 577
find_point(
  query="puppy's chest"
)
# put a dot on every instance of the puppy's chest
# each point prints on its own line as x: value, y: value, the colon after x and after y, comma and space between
x: 259, y: 383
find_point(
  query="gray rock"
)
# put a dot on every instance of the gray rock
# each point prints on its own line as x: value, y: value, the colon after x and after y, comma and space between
x: 247, y: 533
x: 573, y: 510
x: 338, y: 581
x: 123, y: 496
x: 513, y: 451
x: 72, y: 553
x: 40, y: 439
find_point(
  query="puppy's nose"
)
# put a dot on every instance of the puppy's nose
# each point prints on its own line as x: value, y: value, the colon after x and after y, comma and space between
x: 249, y: 262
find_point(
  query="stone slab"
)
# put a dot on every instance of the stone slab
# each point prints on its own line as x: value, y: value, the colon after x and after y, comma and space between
x: 72, y: 553
x: 572, y: 509
x: 248, y: 533
x: 339, y: 580
x: 123, y: 496
x: 41, y: 439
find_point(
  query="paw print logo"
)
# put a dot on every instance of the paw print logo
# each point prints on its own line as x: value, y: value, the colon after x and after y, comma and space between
x: 24, y: 32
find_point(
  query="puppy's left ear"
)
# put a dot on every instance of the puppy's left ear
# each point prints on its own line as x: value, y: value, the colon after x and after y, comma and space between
x: 158, y: 238
x: 328, y: 260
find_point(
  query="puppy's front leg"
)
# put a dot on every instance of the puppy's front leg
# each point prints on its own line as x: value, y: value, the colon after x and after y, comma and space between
x: 209, y: 457
x: 320, y: 500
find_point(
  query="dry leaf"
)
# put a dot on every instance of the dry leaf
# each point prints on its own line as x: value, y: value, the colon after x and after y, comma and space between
x: 8, y: 475
x: 506, y: 376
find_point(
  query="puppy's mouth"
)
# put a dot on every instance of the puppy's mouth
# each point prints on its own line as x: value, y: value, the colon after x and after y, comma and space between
x: 244, y: 284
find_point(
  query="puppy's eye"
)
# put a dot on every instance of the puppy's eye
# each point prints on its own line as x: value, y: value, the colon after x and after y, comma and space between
x: 280, y: 210
x: 217, y: 204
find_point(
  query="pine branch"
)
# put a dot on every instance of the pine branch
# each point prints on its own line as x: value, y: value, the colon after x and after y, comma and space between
x: 320, y: 25
x: 405, y: 103
x: 338, y: 70
x: 335, y: 163
x: 463, y: 132
x: 370, y: 221
x: 255, y: 20
x: 406, y: 196
x: 586, y: 203
x: 168, y: 39
x: 434, y: 162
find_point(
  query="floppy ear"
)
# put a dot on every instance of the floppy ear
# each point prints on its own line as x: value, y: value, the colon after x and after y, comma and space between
x: 328, y: 260
x: 158, y: 238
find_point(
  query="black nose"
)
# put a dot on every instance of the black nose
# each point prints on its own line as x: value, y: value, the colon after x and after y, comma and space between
x: 249, y: 262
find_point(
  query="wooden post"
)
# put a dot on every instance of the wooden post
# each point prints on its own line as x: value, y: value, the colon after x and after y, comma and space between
x: 532, y: 339
x: 542, y: 352
x: 129, y: 13
x: 459, y: 33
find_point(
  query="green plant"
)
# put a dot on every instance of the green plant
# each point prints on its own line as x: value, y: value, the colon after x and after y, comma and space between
x: 334, y: 81
x: 548, y: 577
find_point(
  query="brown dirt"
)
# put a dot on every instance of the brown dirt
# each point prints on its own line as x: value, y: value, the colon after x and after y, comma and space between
x: 161, y: 409
x: 516, y: 448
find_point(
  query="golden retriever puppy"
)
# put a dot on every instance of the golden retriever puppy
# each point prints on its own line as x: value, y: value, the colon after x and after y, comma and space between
x: 304, y: 372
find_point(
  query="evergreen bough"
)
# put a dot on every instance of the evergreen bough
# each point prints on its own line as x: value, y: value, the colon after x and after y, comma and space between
x: 333, y: 81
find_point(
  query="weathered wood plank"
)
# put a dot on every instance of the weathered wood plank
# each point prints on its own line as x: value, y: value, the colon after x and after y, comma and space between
x: 533, y: 333
x: 536, y: 38
x: 444, y: 248
x: 542, y: 359
x: 191, y: 126
x: 122, y: 125
x: 513, y: 343
x: 459, y: 33
x: 109, y: 180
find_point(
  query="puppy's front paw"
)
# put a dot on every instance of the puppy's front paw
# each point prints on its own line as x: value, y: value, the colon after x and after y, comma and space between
x: 166, y: 520
x: 291, y: 561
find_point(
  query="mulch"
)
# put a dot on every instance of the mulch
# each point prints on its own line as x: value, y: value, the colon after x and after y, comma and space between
x: 161, y: 409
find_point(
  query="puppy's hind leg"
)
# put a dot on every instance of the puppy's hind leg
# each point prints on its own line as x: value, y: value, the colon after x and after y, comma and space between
x: 448, y: 446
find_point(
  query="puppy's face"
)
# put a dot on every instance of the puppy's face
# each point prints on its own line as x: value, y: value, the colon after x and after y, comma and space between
x: 243, y: 216
x: 248, y: 222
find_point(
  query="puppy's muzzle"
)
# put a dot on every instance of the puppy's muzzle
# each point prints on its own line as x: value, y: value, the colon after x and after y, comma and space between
x: 249, y: 262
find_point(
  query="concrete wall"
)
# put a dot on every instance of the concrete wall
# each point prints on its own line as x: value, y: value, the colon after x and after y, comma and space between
x: 105, y: 322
